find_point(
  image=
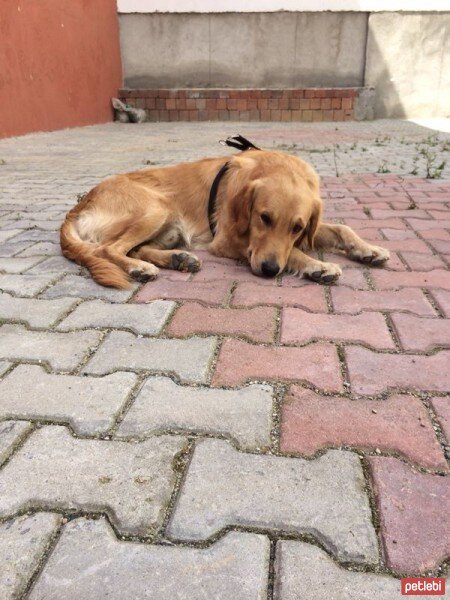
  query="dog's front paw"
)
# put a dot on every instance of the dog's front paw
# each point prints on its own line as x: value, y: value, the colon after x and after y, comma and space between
x: 186, y: 262
x: 323, y: 272
x: 371, y: 255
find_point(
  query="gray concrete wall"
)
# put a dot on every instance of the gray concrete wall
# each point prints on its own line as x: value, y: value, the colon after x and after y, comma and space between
x: 408, y: 63
x: 243, y: 50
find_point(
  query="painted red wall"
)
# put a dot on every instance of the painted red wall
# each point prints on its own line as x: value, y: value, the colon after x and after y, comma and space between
x: 59, y: 64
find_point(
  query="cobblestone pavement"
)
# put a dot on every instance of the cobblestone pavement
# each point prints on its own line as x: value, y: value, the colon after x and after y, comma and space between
x: 217, y: 435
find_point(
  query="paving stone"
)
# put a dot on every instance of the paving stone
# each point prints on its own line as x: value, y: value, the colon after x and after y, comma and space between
x: 414, y: 515
x: 310, y: 422
x: 131, y: 482
x: 391, y: 223
x: 83, y: 287
x: 64, y: 351
x: 18, y: 265
x: 25, y: 285
x: 214, y: 292
x: 442, y: 409
x: 421, y: 334
x: 387, y: 214
x: 399, y: 234
x: 235, y: 566
x: 353, y: 278
x: 420, y: 225
x: 438, y: 278
x: 422, y: 262
x: 442, y: 298
x: 148, y: 319
x: 188, y: 359
x: 245, y: 415
x: 8, y: 234
x: 23, y: 542
x: 42, y: 248
x: 212, y: 271
x: 11, y: 433
x: 4, y: 366
x: 10, y: 247
x: 411, y: 245
x: 316, y: 363
x: 441, y: 246
x: 324, y: 497
x: 300, y: 327
x: 30, y: 224
x: 257, y: 324
x: 354, y: 301
x: 56, y: 264
x: 311, y: 297
x: 307, y: 572
x: 35, y: 312
x: 37, y: 235
x: 88, y: 404
x: 371, y: 373
x: 436, y: 234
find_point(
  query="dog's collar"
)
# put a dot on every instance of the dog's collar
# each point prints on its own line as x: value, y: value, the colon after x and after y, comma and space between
x: 235, y: 141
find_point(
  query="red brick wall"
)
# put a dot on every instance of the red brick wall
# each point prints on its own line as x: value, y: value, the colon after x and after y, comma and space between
x: 59, y: 63
x: 319, y: 104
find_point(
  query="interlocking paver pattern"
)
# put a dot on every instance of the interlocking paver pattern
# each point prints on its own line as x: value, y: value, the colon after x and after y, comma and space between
x: 218, y: 395
x: 234, y: 567
x: 131, y: 482
x: 23, y: 542
x: 88, y: 404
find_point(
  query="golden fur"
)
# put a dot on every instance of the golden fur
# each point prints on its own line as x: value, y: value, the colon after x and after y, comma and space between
x: 268, y: 210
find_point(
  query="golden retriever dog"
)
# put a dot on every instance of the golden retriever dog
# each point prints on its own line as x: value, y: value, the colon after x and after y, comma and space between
x: 262, y: 207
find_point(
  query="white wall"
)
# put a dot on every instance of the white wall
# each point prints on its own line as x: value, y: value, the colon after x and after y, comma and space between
x: 217, y: 6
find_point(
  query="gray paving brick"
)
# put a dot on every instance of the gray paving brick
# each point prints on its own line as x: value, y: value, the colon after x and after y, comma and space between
x: 148, y: 319
x: 131, y: 482
x: 30, y: 223
x: 188, y: 359
x: 307, y: 572
x: 64, y: 351
x: 235, y: 567
x: 35, y: 312
x: 25, y: 285
x: 43, y: 248
x: 56, y: 264
x: 88, y: 404
x: 36, y: 235
x: 85, y: 287
x: 10, y: 247
x: 324, y: 497
x: 18, y: 264
x: 8, y: 233
x: 23, y: 542
x: 245, y: 415
x: 11, y: 433
x: 4, y: 366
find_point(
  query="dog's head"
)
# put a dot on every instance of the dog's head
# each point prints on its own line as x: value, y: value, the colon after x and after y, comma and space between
x: 275, y: 205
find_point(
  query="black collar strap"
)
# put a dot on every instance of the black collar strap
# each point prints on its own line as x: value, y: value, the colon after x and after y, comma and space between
x: 235, y: 141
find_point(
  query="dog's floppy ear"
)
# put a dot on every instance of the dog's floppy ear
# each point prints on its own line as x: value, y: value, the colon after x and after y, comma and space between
x: 241, y: 208
x: 314, y: 222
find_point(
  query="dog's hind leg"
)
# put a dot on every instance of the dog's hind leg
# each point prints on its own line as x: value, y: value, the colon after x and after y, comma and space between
x: 342, y: 237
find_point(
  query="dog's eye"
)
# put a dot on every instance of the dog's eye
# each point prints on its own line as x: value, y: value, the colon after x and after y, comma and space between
x: 266, y: 219
x: 296, y: 229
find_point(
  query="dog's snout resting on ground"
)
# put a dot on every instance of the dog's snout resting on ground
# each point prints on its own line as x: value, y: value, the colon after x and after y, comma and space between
x: 266, y: 211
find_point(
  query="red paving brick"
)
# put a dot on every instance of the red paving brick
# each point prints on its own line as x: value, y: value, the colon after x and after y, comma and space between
x: 311, y: 297
x: 401, y: 424
x: 399, y: 235
x: 210, y: 293
x: 299, y: 326
x: 317, y: 364
x: 410, y: 245
x: 442, y: 409
x: 392, y: 223
x: 213, y: 271
x: 371, y: 372
x: 420, y: 225
x: 442, y: 299
x: 387, y: 214
x: 353, y: 278
x: 414, y: 515
x: 420, y: 334
x: 422, y: 262
x: 436, y: 234
x: 258, y: 324
x: 386, y: 280
x: 412, y: 300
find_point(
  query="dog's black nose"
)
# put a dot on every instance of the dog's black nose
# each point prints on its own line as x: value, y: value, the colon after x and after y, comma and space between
x: 269, y: 268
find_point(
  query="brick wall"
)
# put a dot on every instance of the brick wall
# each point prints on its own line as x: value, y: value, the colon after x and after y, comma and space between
x: 314, y: 104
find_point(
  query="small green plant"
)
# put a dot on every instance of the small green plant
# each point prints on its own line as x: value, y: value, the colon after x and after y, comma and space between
x: 432, y: 168
x: 383, y: 168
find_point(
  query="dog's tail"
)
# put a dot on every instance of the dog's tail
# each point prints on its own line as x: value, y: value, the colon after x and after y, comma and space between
x: 103, y: 271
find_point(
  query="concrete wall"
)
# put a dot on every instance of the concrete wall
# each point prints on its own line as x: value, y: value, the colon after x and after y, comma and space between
x: 408, y: 63
x: 243, y: 50
x: 59, y: 64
